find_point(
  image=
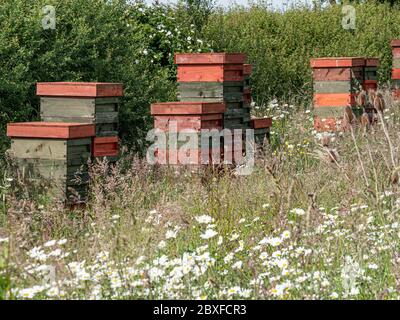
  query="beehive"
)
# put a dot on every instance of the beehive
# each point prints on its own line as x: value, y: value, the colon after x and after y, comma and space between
x: 261, y: 127
x: 177, y: 117
x: 336, y: 84
x: 54, y: 152
x: 371, y: 74
x: 215, y: 77
x: 82, y: 102
x: 396, y: 69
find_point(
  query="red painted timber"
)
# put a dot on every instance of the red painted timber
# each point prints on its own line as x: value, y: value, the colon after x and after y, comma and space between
x: 51, y: 130
x: 210, y: 73
x: 334, y: 99
x: 209, y: 58
x: 336, y: 74
x: 261, y: 123
x: 196, y: 123
x: 396, y: 74
x: 337, y: 62
x: 187, y: 108
x: 372, y: 62
x: 105, y: 146
x: 396, y: 53
x: 395, y: 43
x: 79, y: 89
x: 370, y: 85
x: 247, y: 69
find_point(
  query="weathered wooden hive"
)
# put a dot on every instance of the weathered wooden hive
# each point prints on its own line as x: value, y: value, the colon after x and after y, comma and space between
x: 336, y: 84
x: 215, y: 77
x: 82, y: 102
x: 396, y: 69
x: 178, y: 117
x: 371, y: 74
x: 54, y: 152
x: 261, y: 127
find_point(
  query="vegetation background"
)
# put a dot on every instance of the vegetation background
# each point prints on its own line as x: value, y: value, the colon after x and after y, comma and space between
x: 312, y: 222
x: 120, y: 41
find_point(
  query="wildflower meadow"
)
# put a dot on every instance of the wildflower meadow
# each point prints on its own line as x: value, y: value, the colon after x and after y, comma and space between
x: 311, y: 222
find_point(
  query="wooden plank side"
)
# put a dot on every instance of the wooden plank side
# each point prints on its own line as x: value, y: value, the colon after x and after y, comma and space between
x: 79, y: 89
x: 106, y: 117
x: 67, y: 107
x: 334, y: 99
x: 396, y: 63
x: 68, y: 119
x: 396, y: 74
x: 338, y: 74
x: 209, y: 58
x: 208, y: 73
x: 334, y: 87
x: 337, y: 62
x: 50, y: 130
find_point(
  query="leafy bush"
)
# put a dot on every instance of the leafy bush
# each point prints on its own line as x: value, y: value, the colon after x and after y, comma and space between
x: 280, y: 45
x: 94, y: 40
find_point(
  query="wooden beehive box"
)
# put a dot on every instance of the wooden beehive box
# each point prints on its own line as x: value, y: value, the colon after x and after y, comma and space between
x: 175, y: 117
x: 371, y: 74
x: 261, y: 127
x: 54, y: 152
x: 81, y: 102
x: 336, y: 83
x: 210, y: 67
x: 395, y: 44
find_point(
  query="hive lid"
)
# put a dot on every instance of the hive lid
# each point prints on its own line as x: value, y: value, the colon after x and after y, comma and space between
x: 337, y: 62
x: 372, y: 62
x: 50, y: 130
x: 209, y: 58
x: 395, y: 43
x: 261, y: 123
x: 79, y: 89
x: 187, y: 108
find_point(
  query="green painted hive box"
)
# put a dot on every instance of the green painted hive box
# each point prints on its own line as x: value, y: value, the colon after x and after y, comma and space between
x: 80, y: 102
x: 57, y: 153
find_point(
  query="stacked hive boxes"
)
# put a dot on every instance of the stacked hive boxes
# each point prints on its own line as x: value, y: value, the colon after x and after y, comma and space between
x: 371, y: 74
x: 336, y: 82
x: 80, y: 102
x: 215, y: 77
x: 58, y: 152
x: 261, y: 127
x: 396, y: 69
x: 174, y: 118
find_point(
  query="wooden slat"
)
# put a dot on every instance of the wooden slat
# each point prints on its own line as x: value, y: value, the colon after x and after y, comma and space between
x: 261, y: 123
x: 334, y: 99
x: 56, y: 130
x: 79, y: 89
x: 337, y: 62
x: 334, y: 87
x: 209, y: 58
x: 105, y: 146
x: 186, y: 108
x: 396, y: 74
x: 338, y: 74
x: 210, y: 73
x: 396, y: 53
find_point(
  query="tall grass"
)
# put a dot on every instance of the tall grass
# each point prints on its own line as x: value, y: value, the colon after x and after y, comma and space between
x: 301, y: 226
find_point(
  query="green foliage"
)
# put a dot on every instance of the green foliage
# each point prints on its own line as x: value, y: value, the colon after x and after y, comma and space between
x: 280, y: 45
x: 94, y: 40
